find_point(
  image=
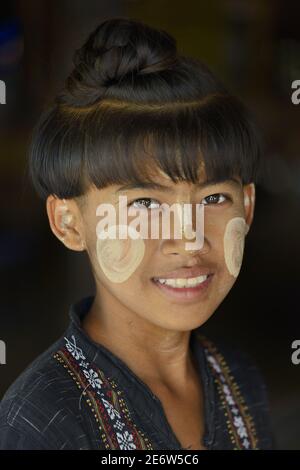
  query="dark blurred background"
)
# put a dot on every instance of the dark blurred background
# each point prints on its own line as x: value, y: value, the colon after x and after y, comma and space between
x: 254, y: 46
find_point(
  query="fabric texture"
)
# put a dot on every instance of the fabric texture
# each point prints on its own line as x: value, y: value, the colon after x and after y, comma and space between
x: 79, y: 395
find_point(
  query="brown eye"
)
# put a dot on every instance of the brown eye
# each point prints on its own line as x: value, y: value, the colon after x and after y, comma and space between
x: 215, y: 198
x: 144, y: 203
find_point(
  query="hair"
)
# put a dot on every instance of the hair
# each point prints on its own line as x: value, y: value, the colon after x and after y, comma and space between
x: 131, y: 104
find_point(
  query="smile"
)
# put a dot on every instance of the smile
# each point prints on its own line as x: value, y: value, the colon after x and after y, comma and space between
x: 184, y: 289
x: 182, y: 282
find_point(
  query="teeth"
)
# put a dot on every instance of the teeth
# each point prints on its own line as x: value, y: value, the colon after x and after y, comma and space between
x: 180, y: 282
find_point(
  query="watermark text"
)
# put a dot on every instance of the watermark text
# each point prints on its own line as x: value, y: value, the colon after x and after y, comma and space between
x: 2, y: 352
x: 2, y: 92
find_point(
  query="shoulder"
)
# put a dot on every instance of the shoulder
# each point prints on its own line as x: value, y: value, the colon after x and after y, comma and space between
x: 240, y: 379
x: 37, y: 403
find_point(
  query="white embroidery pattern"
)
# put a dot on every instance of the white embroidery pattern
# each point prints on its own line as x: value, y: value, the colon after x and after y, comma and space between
x: 125, y: 441
x: 238, y: 420
x: 74, y: 349
x: 93, y: 378
x: 124, y: 438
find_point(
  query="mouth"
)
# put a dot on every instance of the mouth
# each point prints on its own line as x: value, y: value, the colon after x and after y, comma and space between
x: 185, y: 289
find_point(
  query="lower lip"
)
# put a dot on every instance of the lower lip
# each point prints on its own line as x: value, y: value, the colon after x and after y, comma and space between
x: 185, y: 293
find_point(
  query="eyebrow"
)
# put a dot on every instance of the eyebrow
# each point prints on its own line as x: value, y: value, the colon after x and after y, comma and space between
x: 160, y: 187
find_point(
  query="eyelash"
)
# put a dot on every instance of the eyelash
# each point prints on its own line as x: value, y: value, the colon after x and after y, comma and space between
x: 227, y: 198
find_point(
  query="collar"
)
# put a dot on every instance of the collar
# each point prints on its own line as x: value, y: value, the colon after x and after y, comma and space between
x: 144, y: 401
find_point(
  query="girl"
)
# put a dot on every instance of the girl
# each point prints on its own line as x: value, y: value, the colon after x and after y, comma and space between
x: 133, y: 371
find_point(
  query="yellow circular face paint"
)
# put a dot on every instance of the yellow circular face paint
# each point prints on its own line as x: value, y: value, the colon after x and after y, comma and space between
x: 119, y: 258
x: 234, y: 239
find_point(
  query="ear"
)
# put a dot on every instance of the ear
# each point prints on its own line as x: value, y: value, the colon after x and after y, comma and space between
x: 249, y: 203
x: 65, y: 222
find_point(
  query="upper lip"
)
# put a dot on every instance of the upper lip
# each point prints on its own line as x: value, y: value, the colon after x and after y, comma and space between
x: 185, y: 273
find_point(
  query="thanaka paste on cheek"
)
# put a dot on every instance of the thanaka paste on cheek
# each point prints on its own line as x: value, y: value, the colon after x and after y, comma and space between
x: 234, y: 240
x: 119, y: 258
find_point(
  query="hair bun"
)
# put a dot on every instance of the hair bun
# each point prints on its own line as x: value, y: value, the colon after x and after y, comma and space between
x: 117, y: 48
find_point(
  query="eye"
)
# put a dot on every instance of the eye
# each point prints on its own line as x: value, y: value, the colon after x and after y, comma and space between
x: 215, y: 199
x: 144, y: 203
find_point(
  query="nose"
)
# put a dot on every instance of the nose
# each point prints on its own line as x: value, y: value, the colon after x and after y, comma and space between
x: 179, y: 247
x: 191, y: 238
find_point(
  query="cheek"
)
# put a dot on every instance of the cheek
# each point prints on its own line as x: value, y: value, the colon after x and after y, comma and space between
x: 234, y: 239
x: 119, y: 258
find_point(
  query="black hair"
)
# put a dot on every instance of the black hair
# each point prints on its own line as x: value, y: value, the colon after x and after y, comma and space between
x: 132, y: 103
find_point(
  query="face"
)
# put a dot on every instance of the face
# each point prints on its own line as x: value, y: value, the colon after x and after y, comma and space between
x: 148, y: 276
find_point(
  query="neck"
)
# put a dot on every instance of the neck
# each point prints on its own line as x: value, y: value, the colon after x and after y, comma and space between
x: 154, y: 354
